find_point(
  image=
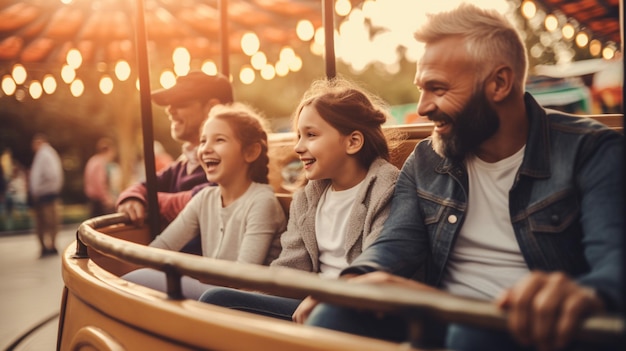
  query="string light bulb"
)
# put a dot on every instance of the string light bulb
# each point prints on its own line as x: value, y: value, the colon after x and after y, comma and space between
x: 35, y: 90
x: 19, y: 74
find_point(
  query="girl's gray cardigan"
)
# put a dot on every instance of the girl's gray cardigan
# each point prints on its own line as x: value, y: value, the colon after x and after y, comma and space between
x: 371, y: 208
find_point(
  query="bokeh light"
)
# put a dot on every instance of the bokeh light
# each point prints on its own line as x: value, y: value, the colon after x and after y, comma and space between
x: 77, y: 88
x: 68, y: 74
x: 106, y: 85
x: 8, y: 85
x: 305, y: 30
x: 250, y: 43
x: 49, y: 84
x: 19, y: 73
x: 74, y: 59
x: 167, y: 79
x: 246, y: 75
x: 35, y: 90
x: 122, y: 70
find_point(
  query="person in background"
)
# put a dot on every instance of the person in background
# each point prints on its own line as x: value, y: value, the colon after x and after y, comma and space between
x: 240, y: 218
x: 98, y: 178
x: 45, y: 184
x: 343, y: 206
x: 162, y: 159
x: 188, y: 104
x: 17, y: 193
x: 506, y: 202
x: 4, y: 202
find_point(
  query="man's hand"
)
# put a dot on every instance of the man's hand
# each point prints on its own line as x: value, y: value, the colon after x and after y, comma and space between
x: 304, y: 310
x: 135, y: 209
x: 546, y: 308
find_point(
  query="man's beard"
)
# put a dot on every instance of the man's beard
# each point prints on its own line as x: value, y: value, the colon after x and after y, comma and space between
x: 474, y: 124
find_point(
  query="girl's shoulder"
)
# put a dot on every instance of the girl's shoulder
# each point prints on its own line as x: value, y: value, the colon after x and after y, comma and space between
x: 206, y: 193
x: 263, y: 196
x: 315, y: 188
x: 260, y: 190
x: 210, y: 189
x: 382, y: 168
x: 381, y: 179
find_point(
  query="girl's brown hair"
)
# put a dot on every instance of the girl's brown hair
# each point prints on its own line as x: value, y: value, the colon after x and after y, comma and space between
x: 250, y: 128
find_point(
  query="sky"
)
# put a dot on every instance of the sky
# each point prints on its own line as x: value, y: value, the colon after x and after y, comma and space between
x: 398, y: 19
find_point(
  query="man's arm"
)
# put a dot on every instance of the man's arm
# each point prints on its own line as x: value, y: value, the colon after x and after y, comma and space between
x: 601, y: 183
x: 403, y: 243
x: 546, y: 308
x: 170, y: 204
x: 132, y: 202
x: 134, y: 199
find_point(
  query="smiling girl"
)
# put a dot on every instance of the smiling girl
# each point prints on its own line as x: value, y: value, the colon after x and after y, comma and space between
x: 239, y: 219
x: 342, y: 208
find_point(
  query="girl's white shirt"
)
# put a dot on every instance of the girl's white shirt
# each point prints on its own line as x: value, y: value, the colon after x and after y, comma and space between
x: 243, y: 231
x: 331, y: 219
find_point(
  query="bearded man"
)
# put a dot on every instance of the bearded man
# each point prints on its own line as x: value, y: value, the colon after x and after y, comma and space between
x: 506, y: 202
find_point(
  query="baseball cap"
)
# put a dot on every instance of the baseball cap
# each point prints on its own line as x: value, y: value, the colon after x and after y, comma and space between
x: 195, y: 86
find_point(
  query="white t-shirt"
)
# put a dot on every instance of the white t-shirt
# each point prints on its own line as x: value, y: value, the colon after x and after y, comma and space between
x: 331, y: 218
x: 46, y: 172
x: 242, y: 231
x: 486, y: 258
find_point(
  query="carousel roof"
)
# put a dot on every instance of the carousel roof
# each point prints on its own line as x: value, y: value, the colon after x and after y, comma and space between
x: 34, y: 31
x: 600, y: 17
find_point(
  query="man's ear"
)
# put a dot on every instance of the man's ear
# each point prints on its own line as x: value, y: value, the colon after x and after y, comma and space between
x: 252, y: 152
x: 354, y: 142
x: 500, y: 83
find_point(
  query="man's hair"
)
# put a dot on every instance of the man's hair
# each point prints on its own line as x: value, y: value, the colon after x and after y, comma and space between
x: 490, y: 39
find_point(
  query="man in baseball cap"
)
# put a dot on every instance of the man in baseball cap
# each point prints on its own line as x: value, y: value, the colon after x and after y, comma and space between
x: 187, y: 103
x: 190, y: 100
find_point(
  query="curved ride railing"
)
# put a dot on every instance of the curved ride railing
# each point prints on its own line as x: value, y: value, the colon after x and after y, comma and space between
x: 415, y: 306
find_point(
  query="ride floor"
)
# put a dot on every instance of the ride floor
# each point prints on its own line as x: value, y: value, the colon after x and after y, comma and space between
x: 30, y: 292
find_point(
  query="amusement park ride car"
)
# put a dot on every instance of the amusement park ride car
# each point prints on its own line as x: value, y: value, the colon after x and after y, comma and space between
x: 105, y: 312
x: 101, y: 311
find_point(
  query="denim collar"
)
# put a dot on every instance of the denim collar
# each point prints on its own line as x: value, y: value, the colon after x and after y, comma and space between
x: 536, y: 162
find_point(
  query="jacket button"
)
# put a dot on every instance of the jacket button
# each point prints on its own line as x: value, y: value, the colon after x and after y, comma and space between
x: 452, y: 219
x: 555, y: 219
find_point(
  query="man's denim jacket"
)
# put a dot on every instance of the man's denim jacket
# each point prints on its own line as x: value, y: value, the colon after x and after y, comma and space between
x: 566, y: 207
